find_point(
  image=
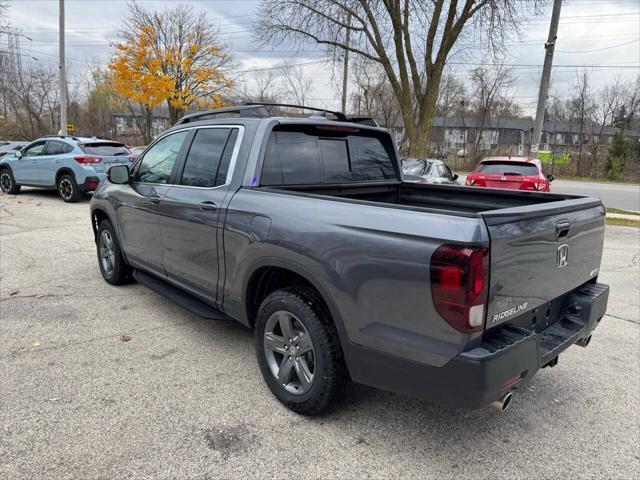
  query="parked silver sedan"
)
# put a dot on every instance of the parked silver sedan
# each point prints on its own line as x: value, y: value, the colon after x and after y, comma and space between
x: 11, y: 147
x: 427, y: 170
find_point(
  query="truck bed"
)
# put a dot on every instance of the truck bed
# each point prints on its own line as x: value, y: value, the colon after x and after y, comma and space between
x: 449, y: 199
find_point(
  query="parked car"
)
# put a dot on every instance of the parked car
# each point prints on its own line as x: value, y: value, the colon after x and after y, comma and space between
x: 513, y: 173
x: 427, y: 170
x: 71, y: 165
x: 7, y: 148
x: 302, y: 229
x: 135, y: 152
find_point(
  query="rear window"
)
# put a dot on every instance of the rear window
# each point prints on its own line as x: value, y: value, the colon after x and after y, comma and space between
x: 305, y: 155
x: 507, y: 168
x: 104, y: 149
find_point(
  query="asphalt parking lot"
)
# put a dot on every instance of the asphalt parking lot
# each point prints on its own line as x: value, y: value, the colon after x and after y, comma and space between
x: 183, y: 398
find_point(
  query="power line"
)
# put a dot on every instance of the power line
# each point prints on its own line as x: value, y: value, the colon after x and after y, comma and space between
x: 600, y: 49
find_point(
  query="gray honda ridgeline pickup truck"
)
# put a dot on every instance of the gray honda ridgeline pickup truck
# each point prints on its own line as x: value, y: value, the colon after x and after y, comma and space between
x: 302, y: 229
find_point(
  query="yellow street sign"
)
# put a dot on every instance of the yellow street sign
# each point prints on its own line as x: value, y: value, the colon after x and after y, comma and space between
x: 71, y: 128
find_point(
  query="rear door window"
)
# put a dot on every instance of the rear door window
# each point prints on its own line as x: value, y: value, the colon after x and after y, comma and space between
x: 208, y: 159
x: 507, y: 168
x: 104, y: 149
x: 55, y: 147
x: 307, y: 157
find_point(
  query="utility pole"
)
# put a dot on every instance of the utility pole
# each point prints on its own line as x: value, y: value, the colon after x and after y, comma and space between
x: 546, y: 76
x: 63, y: 74
x: 345, y: 68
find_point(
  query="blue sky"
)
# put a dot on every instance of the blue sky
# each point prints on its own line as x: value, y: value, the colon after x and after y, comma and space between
x: 602, y: 33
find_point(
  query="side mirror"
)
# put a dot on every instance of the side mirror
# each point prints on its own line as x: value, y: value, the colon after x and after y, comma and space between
x: 18, y: 154
x: 119, y: 174
x: 551, y: 178
x: 455, y: 177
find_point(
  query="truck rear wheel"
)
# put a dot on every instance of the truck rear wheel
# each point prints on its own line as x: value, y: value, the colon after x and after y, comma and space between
x: 299, y: 351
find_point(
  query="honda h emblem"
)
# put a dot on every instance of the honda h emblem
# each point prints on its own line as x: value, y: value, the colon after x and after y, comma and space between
x: 563, y: 256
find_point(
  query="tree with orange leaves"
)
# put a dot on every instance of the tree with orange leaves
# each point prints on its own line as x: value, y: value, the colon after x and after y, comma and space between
x: 171, y: 56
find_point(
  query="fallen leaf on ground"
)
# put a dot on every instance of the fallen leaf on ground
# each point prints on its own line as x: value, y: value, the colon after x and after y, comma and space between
x: 40, y: 295
x: 35, y: 344
x: 124, y: 338
x: 13, y: 292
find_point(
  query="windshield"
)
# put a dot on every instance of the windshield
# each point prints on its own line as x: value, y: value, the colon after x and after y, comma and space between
x: 104, y: 149
x: 507, y: 168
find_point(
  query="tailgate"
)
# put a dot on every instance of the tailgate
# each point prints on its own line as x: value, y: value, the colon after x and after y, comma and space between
x: 540, y: 252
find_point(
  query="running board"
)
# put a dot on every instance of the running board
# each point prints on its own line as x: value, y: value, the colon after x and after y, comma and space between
x: 178, y: 296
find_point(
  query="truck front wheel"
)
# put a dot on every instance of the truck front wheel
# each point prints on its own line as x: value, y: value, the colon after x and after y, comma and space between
x: 299, y: 351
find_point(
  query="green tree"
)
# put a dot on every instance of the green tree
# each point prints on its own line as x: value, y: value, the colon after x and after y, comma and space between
x: 618, y: 152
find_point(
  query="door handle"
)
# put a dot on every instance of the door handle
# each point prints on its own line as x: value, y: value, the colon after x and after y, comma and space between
x: 207, y: 205
x: 154, y: 199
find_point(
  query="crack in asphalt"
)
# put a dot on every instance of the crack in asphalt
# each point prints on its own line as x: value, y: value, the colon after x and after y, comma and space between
x: 635, y: 322
x: 62, y: 346
x: 55, y: 295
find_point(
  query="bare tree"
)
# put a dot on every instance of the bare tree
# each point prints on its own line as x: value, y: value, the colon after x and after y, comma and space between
x: 628, y: 112
x: 450, y: 100
x: 373, y: 95
x: 607, y: 102
x: 411, y: 40
x: 581, y: 107
x: 263, y: 86
x: 101, y: 103
x: 4, y: 13
x: 490, y: 87
x: 297, y: 86
x: 32, y: 98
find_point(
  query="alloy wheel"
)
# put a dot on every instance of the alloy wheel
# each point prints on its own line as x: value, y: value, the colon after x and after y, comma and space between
x: 66, y: 189
x: 107, y: 252
x: 6, y: 182
x: 289, y: 352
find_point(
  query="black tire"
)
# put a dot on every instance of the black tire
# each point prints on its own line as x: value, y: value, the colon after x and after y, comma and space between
x: 68, y: 188
x: 114, y: 270
x: 8, y: 183
x: 326, y: 358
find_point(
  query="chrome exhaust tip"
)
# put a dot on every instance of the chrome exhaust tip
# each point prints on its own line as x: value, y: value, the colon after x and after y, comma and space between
x: 503, y: 402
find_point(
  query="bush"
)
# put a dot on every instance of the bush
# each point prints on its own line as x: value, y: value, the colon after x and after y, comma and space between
x: 618, y: 152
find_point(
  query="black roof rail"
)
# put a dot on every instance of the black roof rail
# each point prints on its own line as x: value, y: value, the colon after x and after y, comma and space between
x: 259, y: 110
x: 341, y: 117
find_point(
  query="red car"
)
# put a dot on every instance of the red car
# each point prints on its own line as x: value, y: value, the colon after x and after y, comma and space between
x: 513, y: 173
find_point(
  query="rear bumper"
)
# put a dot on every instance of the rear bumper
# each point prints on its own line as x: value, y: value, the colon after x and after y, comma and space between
x: 90, y: 184
x: 506, y: 358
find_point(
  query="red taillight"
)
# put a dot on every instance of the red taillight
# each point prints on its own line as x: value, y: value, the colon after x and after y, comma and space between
x: 530, y: 183
x: 459, y: 282
x: 85, y: 160
x: 479, y: 181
